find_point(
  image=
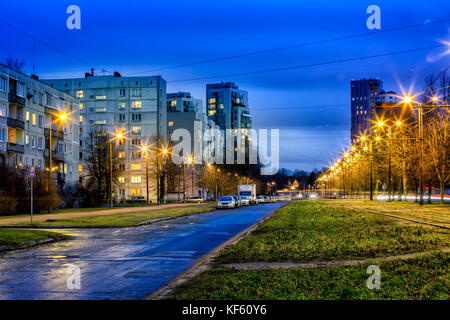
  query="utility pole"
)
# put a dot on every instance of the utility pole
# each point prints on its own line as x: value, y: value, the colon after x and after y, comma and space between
x: 110, y: 174
x: 421, y: 155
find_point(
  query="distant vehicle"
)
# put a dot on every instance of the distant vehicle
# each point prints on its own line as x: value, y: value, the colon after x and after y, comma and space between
x: 260, y: 199
x: 194, y: 199
x: 226, y: 202
x: 249, y: 191
x: 238, y: 201
x: 267, y: 199
x: 136, y: 199
x: 245, y: 201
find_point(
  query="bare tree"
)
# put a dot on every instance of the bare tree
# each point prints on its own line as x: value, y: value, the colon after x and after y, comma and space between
x: 14, y: 63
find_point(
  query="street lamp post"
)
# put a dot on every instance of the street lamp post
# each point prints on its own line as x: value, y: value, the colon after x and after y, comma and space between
x: 62, y: 117
x: 118, y: 135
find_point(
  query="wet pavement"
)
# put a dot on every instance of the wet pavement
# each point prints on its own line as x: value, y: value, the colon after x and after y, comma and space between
x: 121, y: 263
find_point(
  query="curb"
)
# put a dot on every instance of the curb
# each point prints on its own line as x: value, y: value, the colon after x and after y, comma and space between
x: 28, y: 244
x: 203, y: 263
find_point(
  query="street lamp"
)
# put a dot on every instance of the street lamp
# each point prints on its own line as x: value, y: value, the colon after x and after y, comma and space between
x: 61, y: 118
x: 116, y: 136
x: 145, y: 149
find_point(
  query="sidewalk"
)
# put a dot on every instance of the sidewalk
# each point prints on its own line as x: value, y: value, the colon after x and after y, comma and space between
x: 43, y: 217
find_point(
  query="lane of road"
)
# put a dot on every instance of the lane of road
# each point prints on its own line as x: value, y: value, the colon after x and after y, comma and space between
x: 122, y: 263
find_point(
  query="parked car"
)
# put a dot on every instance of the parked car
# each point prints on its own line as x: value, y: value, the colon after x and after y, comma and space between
x: 267, y: 199
x: 245, y: 201
x: 238, y: 200
x: 194, y: 199
x: 226, y: 202
x: 260, y: 199
x: 136, y: 199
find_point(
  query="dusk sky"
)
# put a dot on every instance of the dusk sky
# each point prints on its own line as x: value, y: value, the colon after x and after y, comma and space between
x: 310, y: 105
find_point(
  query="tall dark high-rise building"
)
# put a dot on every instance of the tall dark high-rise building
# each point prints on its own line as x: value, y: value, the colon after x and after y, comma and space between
x: 364, y: 95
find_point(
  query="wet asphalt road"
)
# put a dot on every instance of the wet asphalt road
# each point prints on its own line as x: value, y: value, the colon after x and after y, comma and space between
x: 122, y: 263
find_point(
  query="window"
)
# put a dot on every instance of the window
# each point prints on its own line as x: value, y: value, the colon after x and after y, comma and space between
x: 212, y: 100
x: 122, y: 92
x: 121, y: 166
x: 122, y: 192
x: 135, y: 179
x: 135, y: 192
x: 102, y: 109
x: 41, y: 99
x: 60, y: 147
x: 136, y: 117
x: 33, y: 142
x: 80, y: 94
x: 122, y: 105
x: 2, y: 134
x: 135, y: 166
x: 102, y: 97
x: 81, y: 106
x: 173, y: 103
x: 27, y: 115
x: 33, y: 119
x: 136, y: 104
x: 136, y: 92
x: 2, y: 84
x: 100, y: 121
x: 136, y: 154
x: 80, y: 168
x: 21, y: 89
x: 40, y: 143
x: 81, y: 119
x: 27, y: 139
x: 121, y: 154
x: 2, y: 110
x: 121, y: 117
x: 170, y: 123
x: 136, y: 130
x: 41, y: 121
x: 121, y: 179
x: 136, y: 142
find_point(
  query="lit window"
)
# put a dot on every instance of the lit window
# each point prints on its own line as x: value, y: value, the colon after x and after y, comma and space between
x: 136, y: 104
x: 135, y: 166
x: 135, y: 179
x: 27, y: 139
x: 33, y: 119
x: 81, y: 119
x: 238, y: 100
x: 135, y: 192
x: 212, y: 100
x: 136, y: 130
x: 102, y: 97
x: 122, y: 105
x: 80, y: 94
x: 122, y: 154
x: 80, y: 167
x: 81, y: 106
x: 27, y: 116
x: 170, y: 123
x: 121, y: 179
x: 103, y: 109
x: 100, y: 121
x: 211, y: 112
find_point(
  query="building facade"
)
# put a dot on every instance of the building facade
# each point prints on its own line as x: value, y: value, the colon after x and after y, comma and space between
x: 227, y: 106
x: 364, y: 95
x: 134, y: 105
x: 28, y: 110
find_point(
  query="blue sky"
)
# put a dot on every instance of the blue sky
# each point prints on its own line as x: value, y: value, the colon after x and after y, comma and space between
x: 310, y: 106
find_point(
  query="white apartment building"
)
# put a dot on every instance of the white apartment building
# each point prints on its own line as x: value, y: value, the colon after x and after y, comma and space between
x: 136, y: 105
x: 28, y: 108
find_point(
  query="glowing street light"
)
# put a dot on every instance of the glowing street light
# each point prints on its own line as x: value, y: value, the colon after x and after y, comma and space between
x: 407, y: 99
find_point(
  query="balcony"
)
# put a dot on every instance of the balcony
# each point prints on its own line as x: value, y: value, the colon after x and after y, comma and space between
x: 57, y: 156
x: 58, y: 134
x: 14, y: 98
x: 13, y: 147
x: 15, y: 123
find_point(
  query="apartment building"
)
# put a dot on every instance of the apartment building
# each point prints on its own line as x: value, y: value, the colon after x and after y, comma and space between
x: 186, y: 112
x: 364, y: 97
x: 108, y: 104
x: 227, y: 106
x: 28, y: 109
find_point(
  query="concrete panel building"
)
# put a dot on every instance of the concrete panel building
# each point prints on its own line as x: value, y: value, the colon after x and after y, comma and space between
x: 136, y: 105
x: 28, y: 109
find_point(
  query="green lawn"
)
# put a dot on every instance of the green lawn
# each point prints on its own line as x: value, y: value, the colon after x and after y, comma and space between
x: 315, y: 231
x: 129, y: 219
x: 309, y: 230
x: 420, y: 278
x: 13, y: 238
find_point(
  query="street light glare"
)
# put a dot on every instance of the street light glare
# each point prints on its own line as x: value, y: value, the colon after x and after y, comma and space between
x: 363, y: 138
x: 398, y: 123
x: 380, y: 123
x: 63, y: 116
x: 407, y: 99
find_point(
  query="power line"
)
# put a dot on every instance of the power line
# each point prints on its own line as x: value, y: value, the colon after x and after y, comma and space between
x: 305, y: 44
x: 34, y: 38
x: 311, y: 65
